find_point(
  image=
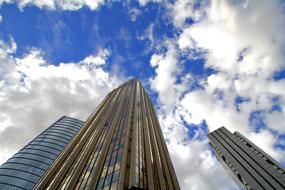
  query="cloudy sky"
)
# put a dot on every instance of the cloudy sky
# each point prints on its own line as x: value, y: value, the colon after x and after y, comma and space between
x: 205, y: 64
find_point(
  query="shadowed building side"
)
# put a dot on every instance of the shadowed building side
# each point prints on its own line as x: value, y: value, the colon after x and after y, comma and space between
x: 25, y: 168
x: 249, y: 165
x: 121, y: 146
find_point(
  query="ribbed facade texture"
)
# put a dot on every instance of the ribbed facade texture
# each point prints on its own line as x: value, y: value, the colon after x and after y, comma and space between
x: 25, y: 168
x: 249, y: 165
x: 121, y: 146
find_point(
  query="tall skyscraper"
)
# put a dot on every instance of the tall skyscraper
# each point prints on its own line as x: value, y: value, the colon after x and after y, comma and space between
x: 121, y: 146
x: 25, y: 168
x: 248, y: 164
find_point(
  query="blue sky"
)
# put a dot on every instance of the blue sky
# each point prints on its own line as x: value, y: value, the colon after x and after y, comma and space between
x: 69, y: 36
x: 205, y: 64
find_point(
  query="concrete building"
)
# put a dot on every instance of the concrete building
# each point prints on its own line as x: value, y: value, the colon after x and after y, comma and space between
x: 249, y: 165
x: 121, y: 146
x: 26, y: 167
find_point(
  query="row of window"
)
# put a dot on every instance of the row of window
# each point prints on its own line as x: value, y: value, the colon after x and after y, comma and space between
x: 264, y: 161
x: 85, y: 179
x: 110, y: 172
x: 92, y: 162
x: 71, y: 171
x: 158, y: 165
x: 72, y: 121
x: 140, y: 172
x: 140, y: 177
x: 24, y: 169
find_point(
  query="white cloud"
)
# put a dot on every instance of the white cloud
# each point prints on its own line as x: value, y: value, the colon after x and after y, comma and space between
x: 196, y: 167
x: 165, y: 68
x: 181, y: 10
x: 39, y: 3
x: 183, y: 151
x: 266, y: 141
x: 164, y: 82
x: 57, y: 4
x: 155, y: 60
x: 145, y: 2
x: 6, y: 1
x: 37, y: 92
x: 201, y: 105
x: 243, y: 42
x: 98, y: 59
x: 134, y: 13
x: 240, y: 45
x: 227, y: 33
x: 77, y: 4
x: 245, y: 47
x: 276, y: 120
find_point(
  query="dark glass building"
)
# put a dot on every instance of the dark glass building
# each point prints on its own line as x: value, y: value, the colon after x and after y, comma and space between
x: 121, y: 146
x: 249, y: 165
x: 25, y: 168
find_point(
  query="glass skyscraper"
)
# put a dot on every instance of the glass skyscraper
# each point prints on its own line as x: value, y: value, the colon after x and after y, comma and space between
x: 26, y: 167
x: 251, y: 167
x: 121, y: 146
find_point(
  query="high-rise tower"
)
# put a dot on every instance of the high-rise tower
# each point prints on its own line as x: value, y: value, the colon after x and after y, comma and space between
x: 121, y: 146
x: 25, y: 168
x: 248, y: 164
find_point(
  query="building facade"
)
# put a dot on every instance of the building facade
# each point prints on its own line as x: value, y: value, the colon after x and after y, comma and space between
x: 26, y: 167
x: 249, y: 165
x: 121, y: 146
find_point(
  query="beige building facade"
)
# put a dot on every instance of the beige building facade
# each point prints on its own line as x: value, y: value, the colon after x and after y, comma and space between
x: 121, y: 146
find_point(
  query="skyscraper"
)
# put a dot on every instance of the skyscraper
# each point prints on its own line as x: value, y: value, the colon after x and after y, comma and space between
x: 25, y: 168
x: 121, y: 146
x: 248, y: 164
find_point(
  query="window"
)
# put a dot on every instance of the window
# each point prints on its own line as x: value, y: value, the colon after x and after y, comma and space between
x: 115, y: 176
x: 101, y: 182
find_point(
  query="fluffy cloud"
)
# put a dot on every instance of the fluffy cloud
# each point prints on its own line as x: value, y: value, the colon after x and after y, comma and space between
x: 58, y: 4
x: 276, y: 120
x: 267, y: 141
x: 145, y: 2
x: 194, y: 162
x: 165, y: 66
x: 245, y: 47
x: 181, y: 10
x: 173, y: 112
x: 37, y: 92
x: 242, y: 41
